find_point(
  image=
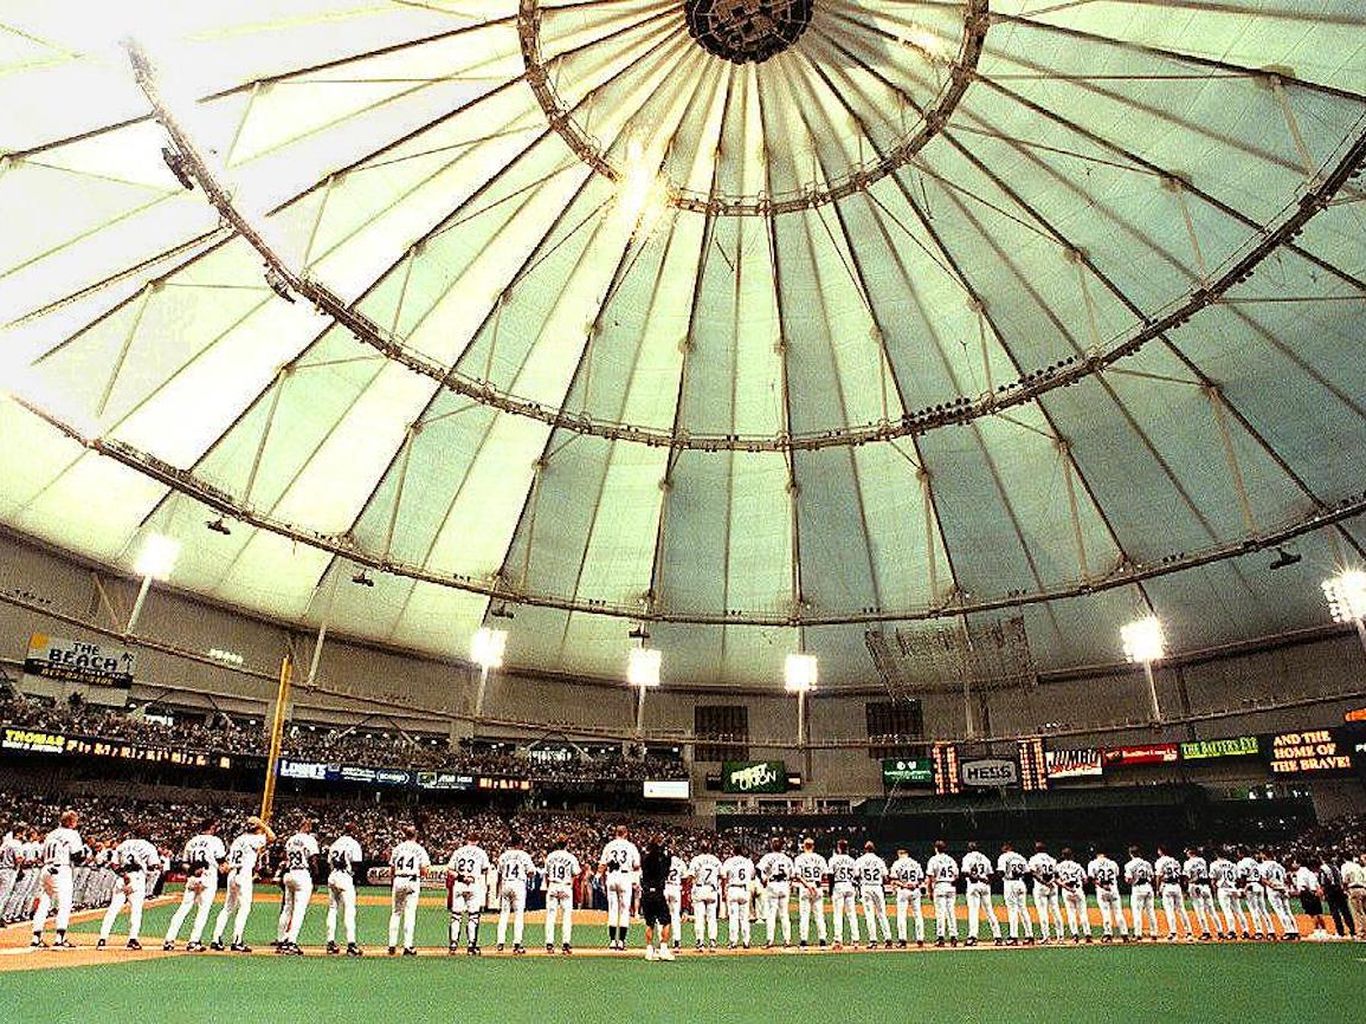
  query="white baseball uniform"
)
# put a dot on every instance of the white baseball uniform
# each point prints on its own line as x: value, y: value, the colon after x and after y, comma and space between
x: 775, y: 871
x: 515, y: 868
x: 1012, y: 867
x: 1045, y: 871
x: 11, y: 855
x: 408, y: 860
x: 342, y: 857
x: 976, y: 868
x: 908, y: 880
x: 705, y: 872
x: 1196, y: 873
x: 1104, y: 873
x: 811, y: 871
x: 673, y: 896
x: 842, y: 892
x: 240, y: 884
x: 1249, y: 876
x: 296, y: 885
x: 202, y: 856
x: 132, y: 860
x: 738, y: 872
x: 621, y: 861
x: 871, y: 872
x: 1224, y: 874
x: 1274, y: 880
x: 1138, y: 872
x: 1168, y: 872
x: 61, y: 847
x: 942, y: 872
x: 560, y: 870
x: 468, y: 869
x: 1072, y: 884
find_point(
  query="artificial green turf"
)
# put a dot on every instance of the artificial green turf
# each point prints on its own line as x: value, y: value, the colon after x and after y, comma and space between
x: 1114, y: 984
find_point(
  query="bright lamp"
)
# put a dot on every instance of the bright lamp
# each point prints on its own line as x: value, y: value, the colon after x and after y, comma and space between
x: 487, y: 647
x: 643, y: 667
x: 799, y: 673
x: 158, y: 557
x: 1144, y: 642
x: 1346, y: 595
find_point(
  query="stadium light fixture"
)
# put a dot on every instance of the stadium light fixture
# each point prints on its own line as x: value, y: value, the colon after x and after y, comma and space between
x: 642, y: 672
x: 1346, y: 597
x: 1144, y: 643
x: 156, y: 561
x: 799, y: 677
x: 487, y: 647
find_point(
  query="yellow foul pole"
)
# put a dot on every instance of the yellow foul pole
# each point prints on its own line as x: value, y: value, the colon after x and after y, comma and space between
x: 277, y: 734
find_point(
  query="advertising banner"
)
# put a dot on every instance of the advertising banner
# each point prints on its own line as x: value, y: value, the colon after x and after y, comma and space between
x: 667, y: 789
x: 1235, y: 746
x: 444, y: 780
x: 1074, y: 764
x: 989, y: 773
x: 1152, y: 753
x: 754, y: 777
x: 79, y: 661
x: 907, y: 771
x: 1311, y: 752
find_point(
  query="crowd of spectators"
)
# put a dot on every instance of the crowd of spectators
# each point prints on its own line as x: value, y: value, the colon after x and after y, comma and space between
x: 387, y: 748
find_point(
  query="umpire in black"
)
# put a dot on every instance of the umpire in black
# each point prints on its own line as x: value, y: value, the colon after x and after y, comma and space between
x: 654, y: 870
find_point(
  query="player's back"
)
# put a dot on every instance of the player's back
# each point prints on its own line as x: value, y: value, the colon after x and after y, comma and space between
x: 1103, y: 871
x: 515, y: 866
x: 738, y: 871
x: 810, y: 867
x: 1138, y: 871
x: 561, y: 868
x: 409, y: 859
x: 136, y: 855
x: 343, y: 854
x: 469, y: 864
x: 705, y: 870
x: 842, y: 869
x: 1012, y: 865
x: 245, y: 850
x: 621, y: 855
x: 60, y: 847
x: 976, y: 866
x: 300, y: 848
x: 204, y: 851
x: 870, y: 869
x: 1070, y: 873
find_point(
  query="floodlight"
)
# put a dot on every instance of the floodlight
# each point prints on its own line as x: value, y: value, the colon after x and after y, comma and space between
x: 158, y: 557
x: 799, y: 673
x: 1144, y: 642
x: 643, y: 667
x: 487, y: 647
x: 1346, y: 596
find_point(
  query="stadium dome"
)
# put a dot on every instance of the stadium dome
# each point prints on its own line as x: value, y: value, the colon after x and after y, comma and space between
x: 760, y: 325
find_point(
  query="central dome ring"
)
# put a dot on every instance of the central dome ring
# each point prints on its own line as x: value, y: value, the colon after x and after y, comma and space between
x: 753, y: 31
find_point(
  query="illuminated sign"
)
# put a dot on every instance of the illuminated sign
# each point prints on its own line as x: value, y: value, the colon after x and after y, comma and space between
x: 989, y: 773
x: 32, y: 740
x: 1204, y: 750
x: 485, y: 782
x: 757, y: 777
x: 302, y: 770
x: 666, y: 789
x: 1153, y: 753
x: 444, y: 780
x: 1355, y: 715
x: 1074, y: 764
x: 1312, y: 752
x: 907, y: 771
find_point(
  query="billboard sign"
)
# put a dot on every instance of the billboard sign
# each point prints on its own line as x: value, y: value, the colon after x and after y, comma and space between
x: 79, y: 661
x: 907, y: 771
x: 754, y: 777
x: 1074, y: 764
x: 1152, y: 753
x: 1236, y: 746
x: 989, y: 773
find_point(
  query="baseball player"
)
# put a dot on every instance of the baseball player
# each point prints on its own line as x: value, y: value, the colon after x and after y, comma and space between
x: 811, y: 871
x: 465, y: 881
x: 1072, y: 888
x: 738, y: 872
x: 132, y: 860
x: 705, y: 872
x: 1274, y: 879
x: 1196, y: 873
x: 942, y: 872
x: 908, y: 883
x: 1044, y: 870
x: 1104, y: 874
x: 871, y: 872
x: 976, y: 869
x: 1168, y: 871
x: 673, y: 896
x: 408, y: 860
x: 842, y: 877
x: 63, y: 849
x: 775, y: 872
x: 11, y: 856
x: 1224, y: 874
x: 560, y: 869
x: 1138, y: 872
x: 1249, y: 877
x: 1012, y: 867
x: 515, y: 868
x: 619, y: 865
x: 296, y: 887
x: 243, y: 855
x: 203, y: 855
x: 342, y: 857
